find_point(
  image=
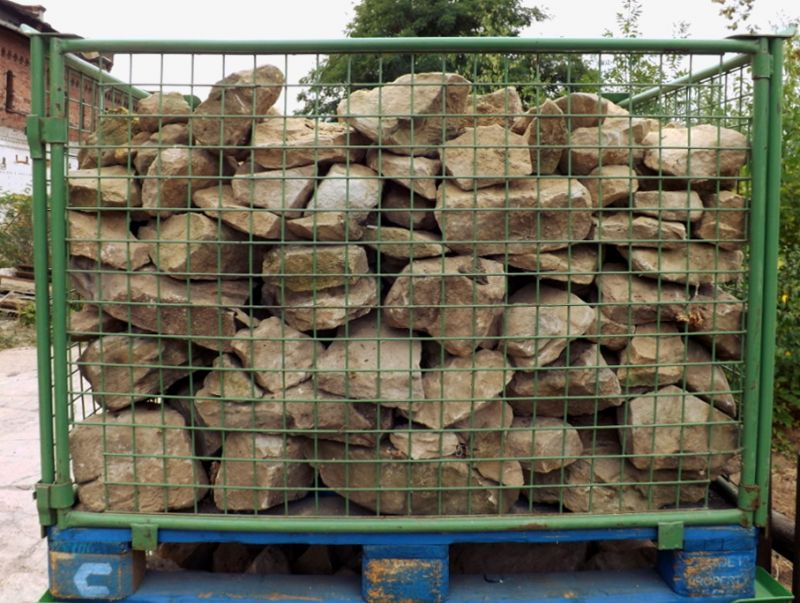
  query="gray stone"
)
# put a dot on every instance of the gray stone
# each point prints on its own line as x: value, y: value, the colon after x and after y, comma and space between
x: 279, y: 356
x: 543, y: 444
x: 628, y: 299
x: 259, y: 471
x: 381, y: 480
x: 583, y: 109
x: 609, y: 184
x: 148, y: 447
x: 303, y: 268
x: 678, y: 206
x: 707, y: 379
x: 106, y: 239
x: 326, y: 308
x: 692, y: 263
x: 591, y: 147
x: 228, y: 380
x: 724, y: 220
x: 576, y: 264
x: 371, y: 361
x: 219, y: 203
x: 579, y: 382
x: 655, y: 356
x: 456, y: 298
x: 545, y: 130
x: 168, y: 136
x: 717, y: 317
x: 403, y: 244
x: 394, y: 115
x: 700, y: 152
x: 485, y: 156
x: 354, y: 189
x: 287, y: 142
x: 522, y: 217
x: 540, y: 321
x: 671, y: 429
x: 284, y: 192
x: 160, y: 109
x: 415, y: 173
x: 621, y: 228
x: 123, y: 369
x: 103, y: 188
x: 192, y: 245
x: 226, y: 117
x: 424, y: 444
x: 326, y: 226
x: 404, y: 208
x: 174, y: 175
x: 90, y: 321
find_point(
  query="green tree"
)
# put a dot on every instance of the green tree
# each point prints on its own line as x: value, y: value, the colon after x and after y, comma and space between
x: 338, y: 75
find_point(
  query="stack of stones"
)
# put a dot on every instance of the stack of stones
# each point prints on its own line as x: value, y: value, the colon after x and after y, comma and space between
x: 443, y: 302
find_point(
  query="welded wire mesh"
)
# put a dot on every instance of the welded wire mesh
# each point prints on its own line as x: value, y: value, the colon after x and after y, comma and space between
x: 434, y: 284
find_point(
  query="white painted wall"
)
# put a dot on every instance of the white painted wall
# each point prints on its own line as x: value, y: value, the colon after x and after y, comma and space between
x: 15, y: 162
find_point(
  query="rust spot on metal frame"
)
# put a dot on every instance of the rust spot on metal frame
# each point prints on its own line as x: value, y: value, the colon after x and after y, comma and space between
x: 700, y: 568
x: 382, y: 573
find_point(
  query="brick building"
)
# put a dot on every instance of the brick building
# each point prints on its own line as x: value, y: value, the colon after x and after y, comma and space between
x: 15, y: 92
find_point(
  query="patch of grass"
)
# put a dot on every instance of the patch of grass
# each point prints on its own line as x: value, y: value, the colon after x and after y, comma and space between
x: 16, y: 334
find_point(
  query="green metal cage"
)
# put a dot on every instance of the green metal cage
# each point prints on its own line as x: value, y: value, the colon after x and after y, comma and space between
x: 488, y: 327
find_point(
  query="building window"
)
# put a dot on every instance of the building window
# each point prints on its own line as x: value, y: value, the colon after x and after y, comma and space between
x: 9, y: 90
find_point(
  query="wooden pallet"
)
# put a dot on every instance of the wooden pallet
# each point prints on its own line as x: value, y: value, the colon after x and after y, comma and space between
x: 16, y: 293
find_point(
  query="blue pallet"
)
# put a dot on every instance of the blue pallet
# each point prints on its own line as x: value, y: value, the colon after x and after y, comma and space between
x: 715, y: 564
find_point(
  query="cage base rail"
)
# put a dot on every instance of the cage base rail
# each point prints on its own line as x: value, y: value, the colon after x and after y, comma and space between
x: 713, y: 564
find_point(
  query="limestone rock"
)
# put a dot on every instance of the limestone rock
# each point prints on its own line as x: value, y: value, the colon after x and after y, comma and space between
x: 403, y: 244
x: 678, y: 206
x: 115, y: 129
x: 501, y: 107
x: 629, y: 299
x: 543, y: 444
x: 460, y: 387
x: 721, y: 222
x: 168, y: 136
x: 639, y: 231
x: 540, y: 321
x: 204, y: 311
x: 106, y: 239
x: 576, y: 264
x: 485, y: 156
x: 172, y: 178
x: 610, y: 183
x: 162, y: 108
x: 124, y: 369
x: 303, y: 268
x: 326, y: 226
x: 457, y: 298
x: 707, y: 379
x: 279, y: 355
x: 371, y: 361
x: 579, y: 382
x: 672, y: 429
x: 394, y: 115
x: 524, y: 216
x: 125, y: 154
x: 700, y: 152
x: 327, y: 308
x: 219, y: 203
x: 103, y: 188
x: 284, y: 192
x: 226, y: 117
x: 717, y: 318
x: 105, y: 450
x: 424, y: 444
x: 655, y: 356
x: 287, y: 142
x: 90, y: 321
x: 228, y: 380
x: 545, y: 130
x: 259, y: 471
x: 415, y: 173
x: 383, y: 482
x: 195, y: 246
x: 609, y: 333
x: 404, y: 208
x: 591, y: 147
x: 583, y: 109
x: 354, y: 189
x: 693, y: 263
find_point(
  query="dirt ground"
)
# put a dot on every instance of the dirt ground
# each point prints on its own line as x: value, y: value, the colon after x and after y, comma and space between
x: 784, y: 473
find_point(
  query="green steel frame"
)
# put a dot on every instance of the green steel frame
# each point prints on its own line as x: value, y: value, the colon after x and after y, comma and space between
x: 48, y: 138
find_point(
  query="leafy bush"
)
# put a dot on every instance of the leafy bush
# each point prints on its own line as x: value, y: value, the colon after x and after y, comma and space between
x: 16, y: 230
x: 787, y: 352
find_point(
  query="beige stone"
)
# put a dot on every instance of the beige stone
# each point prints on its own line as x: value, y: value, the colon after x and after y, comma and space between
x: 125, y: 154
x: 284, y: 192
x: 707, y: 379
x: 369, y: 360
x: 106, y: 239
x: 175, y: 174
x: 115, y: 129
x: 620, y: 228
x: 148, y: 447
x: 723, y: 221
x: 591, y: 147
x: 103, y: 188
x: 576, y: 264
x: 160, y: 109
x: 609, y: 184
x: 168, y: 136
x: 287, y: 142
x: 228, y: 380
x: 326, y: 226
x: 353, y: 189
x: 525, y: 216
x: 226, y: 117
x: 717, y: 318
x: 540, y: 321
x: 628, y: 299
x: 543, y: 444
x: 456, y: 298
x: 303, y: 268
x: 609, y: 333
x: 403, y: 244
x: 415, y: 173
x: 678, y: 206
x: 90, y: 321
x: 545, y: 130
x: 583, y: 109
x: 425, y: 444
x: 219, y: 203
x: 655, y: 356
x: 692, y: 263
x: 500, y: 107
x: 402, y: 207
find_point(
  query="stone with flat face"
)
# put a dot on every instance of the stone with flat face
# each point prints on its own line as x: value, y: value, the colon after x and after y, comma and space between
x: 284, y: 192
x: 717, y: 318
x: 424, y: 444
x: 326, y: 226
x: 94, y: 189
x: 354, y: 189
x: 107, y: 239
x: 620, y: 228
x: 707, y: 379
x: 677, y: 206
x: 229, y: 380
x: 590, y: 147
x: 655, y: 356
x: 545, y: 130
x: 115, y: 130
x: 583, y: 109
x: 691, y: 262
x: 609, y: 333
x: 576, y: 264
x: 724, y: 220
x: 173, y: 177
x: 402, y: 207
x: 90, y: 321
x: 219, y: 203
x: 610, y: 184
x: 629, y: 299
x: 543, y: 444
x: 500, y: 107
x: 162, y: 108
x: 403, y: 244
x: 415, y: 173
x: 168, y: 136
x: 287, y: 142
x: 306, y: 268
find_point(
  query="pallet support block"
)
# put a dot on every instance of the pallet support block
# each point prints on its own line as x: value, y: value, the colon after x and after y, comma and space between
x: 405, y: 574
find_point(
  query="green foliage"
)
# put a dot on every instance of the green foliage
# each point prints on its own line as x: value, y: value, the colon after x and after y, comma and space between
x: 16, y: 230
x: 436, y: 18
x: 787, y: 352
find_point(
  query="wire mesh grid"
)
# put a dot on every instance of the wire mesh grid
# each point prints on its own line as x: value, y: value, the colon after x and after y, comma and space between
x: 408, y: 284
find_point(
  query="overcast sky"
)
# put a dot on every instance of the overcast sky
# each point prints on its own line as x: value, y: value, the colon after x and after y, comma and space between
x: 298, y: 19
